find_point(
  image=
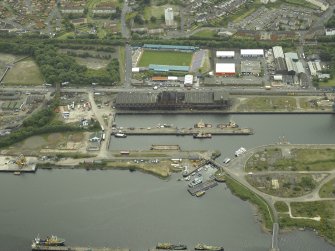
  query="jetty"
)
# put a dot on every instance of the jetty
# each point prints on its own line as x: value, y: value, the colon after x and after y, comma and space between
x: 20, y: 164
x: 66, y: 248
x: 183, y: 131
x: 202, y: 187
x: 165, y: 147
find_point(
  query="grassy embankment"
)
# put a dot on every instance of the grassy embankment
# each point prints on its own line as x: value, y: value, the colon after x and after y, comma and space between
x: 245, y: 194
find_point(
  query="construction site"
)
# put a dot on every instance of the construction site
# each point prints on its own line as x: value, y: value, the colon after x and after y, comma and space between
x: 18, y: 165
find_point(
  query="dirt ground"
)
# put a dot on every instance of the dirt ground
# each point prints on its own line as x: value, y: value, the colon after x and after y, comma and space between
x: 50, y: 144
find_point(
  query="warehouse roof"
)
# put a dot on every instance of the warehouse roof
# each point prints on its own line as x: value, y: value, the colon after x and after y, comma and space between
x: 225, y: 68
x: 278, y: 52
x: 254, y: 52
x: 199, y: 97
x: 169, y: 47
x: 225, y: 53
x: 135, y: 98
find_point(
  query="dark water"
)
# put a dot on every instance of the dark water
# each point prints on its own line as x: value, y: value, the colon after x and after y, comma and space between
x: 135, y: 210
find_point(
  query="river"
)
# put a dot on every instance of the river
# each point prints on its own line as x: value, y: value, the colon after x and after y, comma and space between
x: 136, y: 210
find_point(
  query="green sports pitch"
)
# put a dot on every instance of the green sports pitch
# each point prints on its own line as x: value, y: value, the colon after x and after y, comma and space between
x: 165, y: 58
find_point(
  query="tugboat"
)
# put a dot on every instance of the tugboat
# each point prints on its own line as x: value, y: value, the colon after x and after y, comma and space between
x: 202, y: 135
x: 231, y: 124
x: 49, y: 241
x: 170, y: 246
x: 201, y: 246
x: 201, y: 124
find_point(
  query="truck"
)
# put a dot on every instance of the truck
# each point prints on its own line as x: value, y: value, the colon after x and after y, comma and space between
x: 268, y: 87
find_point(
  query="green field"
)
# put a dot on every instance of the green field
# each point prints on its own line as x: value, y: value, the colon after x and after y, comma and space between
x: 25, y: 72
x: 165, y: 58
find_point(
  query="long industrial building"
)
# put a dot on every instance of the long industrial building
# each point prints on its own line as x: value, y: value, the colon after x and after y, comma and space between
x: 172, y: 100
x: 252, y: 53
x: 225, y: 69
x: 278, y: 52
x: 225, y: 54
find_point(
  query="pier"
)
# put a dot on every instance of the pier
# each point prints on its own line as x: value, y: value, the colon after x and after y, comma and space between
x: 183, y: 131
x: 202, y: 187
x: 66, y: 248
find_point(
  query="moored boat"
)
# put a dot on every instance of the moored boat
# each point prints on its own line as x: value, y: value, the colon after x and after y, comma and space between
x: 49, y: 241
x: 120, y: 135
x: 231, y: 124
x: 202, y: 135
x: 201, y: 124
x: 170, y: 246
x: 201, y: 246
x: 200, y: 193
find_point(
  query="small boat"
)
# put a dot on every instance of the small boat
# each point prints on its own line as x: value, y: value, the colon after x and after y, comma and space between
x: 201, y: 246
x: 196, y: 181
x: 201, y: 124
x: 120, y: 135
x: 17, y: 173
x: 200, y: 193
x: 202, y: 135
x: 49, y: 241
x: 231, y: 124
x: 170, y: 246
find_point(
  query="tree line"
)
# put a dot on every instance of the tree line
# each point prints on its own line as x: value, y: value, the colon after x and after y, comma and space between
x: 58, y: 68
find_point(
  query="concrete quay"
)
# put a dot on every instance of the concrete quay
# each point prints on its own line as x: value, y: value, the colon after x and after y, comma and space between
x: 8, y: 165
x: 66, y: 248
x: 183, y: 131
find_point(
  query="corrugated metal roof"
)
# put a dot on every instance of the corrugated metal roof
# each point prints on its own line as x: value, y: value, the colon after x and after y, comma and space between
x: 166, y: 68
x: 199, y: 97
x: 169, y: 47
x: 135, y: 98
x: 225, y: 68
x: 278, y: 52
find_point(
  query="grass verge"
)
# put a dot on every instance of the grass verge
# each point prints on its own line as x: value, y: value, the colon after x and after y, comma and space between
x: 328, y: 190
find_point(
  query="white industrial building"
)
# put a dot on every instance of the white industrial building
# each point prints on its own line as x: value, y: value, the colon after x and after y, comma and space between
x: 188, y: 80
x: 225, y: 54
x: 278, y: 52
x: 252, y: 53
x: 314, y: 67
x: 169, y: 17
x: 278, y: 77
x: 225, y: 69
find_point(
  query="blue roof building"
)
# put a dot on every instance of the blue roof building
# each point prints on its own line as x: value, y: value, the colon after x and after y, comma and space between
x: 169, y: 47
x: 167, y: 68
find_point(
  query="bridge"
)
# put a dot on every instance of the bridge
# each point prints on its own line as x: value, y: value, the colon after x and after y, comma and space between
x: 275, y: 231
